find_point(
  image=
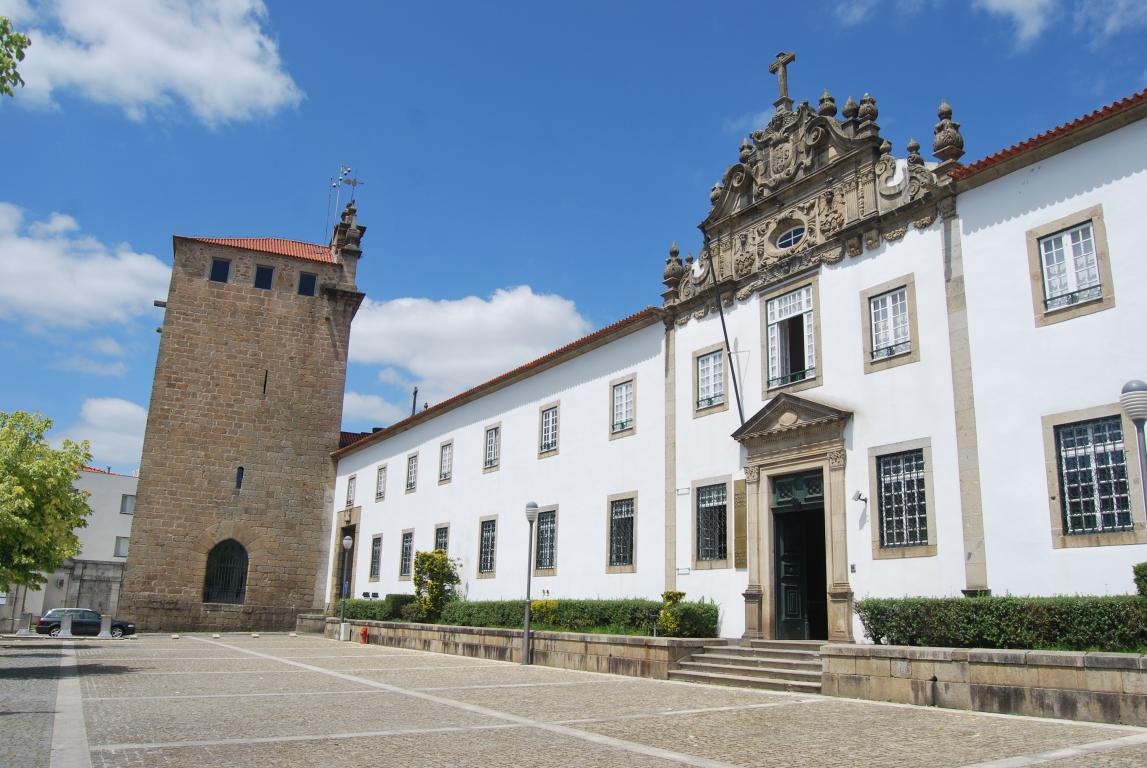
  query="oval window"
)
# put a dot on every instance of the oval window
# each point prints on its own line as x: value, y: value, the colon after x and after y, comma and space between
x: 791, y: 236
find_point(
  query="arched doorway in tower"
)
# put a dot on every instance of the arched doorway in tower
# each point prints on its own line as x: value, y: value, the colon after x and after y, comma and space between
x: 225, y: 580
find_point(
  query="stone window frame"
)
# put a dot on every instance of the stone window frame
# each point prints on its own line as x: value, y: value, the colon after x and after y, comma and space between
x: 908, y: 283
x: 445, y: 451
x: 930, y: 549
x: 555, y: 406
x: 613, y: 432
x: 553, y: 570
x: 121, y: 551
x: 127, y: 507
x: 375, y: 557
x: 727, y: 562
x: 211, y: 270
x: 609, y: 500
x: 351, y: 487
x: 380, y: 474
x: 271, y: 278
x: 695, y: 393
x: 1062, y: 540
x: 493, y: 572
x: 411, y: 482
x: 403, y: 562
x: 487, y: 466
x: 795, y: 284
x: 439, y: 527
x: 1044, y: 316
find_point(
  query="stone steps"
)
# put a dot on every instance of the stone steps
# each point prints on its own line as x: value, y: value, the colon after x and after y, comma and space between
x: 776, y: 665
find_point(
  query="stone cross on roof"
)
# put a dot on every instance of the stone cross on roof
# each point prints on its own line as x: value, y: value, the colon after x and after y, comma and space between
x: 780, y: 69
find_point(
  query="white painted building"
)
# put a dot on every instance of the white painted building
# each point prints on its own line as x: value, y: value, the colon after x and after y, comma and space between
x: 92, y: 578
x: 912, y: 388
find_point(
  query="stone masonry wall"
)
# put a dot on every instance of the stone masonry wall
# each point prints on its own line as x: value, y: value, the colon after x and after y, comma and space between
x: 245, y: 377
x: 1100, y: 687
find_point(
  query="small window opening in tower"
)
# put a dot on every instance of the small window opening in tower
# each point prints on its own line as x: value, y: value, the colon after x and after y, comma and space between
x: 264, y: 276
x: 220, y: 270
x: 307, y: 284
x: 238, y: 478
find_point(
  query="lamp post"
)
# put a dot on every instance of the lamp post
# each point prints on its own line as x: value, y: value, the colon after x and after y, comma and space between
x: 531, y: 516
x: 1133, y: 398
x: 348, y: 542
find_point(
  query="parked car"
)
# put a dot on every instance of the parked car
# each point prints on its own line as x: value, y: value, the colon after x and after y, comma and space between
x: 84, y: 622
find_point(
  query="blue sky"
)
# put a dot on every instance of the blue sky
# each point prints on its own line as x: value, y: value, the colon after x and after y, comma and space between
x: 526, y: 165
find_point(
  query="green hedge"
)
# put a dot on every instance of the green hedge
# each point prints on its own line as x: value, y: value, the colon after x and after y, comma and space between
x: 387, y: 609
x: 632, y: 615
x: 1070, y: 623
x: 1140, y: 574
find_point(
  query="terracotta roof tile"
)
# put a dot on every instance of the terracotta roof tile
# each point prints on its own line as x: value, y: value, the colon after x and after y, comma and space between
x: 276, y: 245
x: 585, y: 343
x: 1045, y: 138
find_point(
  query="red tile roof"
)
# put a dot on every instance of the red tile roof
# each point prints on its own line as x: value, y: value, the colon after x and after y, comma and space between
x: 622, y: 327
x: 1122, y: 112
x: 276, y: 245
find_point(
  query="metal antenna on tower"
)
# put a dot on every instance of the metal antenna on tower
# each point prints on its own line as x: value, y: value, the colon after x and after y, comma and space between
x: 344, y: 171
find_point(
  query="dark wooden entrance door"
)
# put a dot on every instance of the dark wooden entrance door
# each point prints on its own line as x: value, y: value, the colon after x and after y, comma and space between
x: 792, y: 582
x: 799, y: 558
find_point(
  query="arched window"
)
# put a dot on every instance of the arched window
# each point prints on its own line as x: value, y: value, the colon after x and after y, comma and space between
x: 226, y: 577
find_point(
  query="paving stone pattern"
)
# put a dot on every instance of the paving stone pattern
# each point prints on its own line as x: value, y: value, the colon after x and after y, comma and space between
x: 277, y: 700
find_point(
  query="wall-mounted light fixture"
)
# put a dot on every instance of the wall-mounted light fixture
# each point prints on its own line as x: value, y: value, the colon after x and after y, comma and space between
x: 858, y: 496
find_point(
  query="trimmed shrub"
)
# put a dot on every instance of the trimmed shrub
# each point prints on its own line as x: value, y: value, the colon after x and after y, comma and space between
x: 1070, y: 623
x: 628, y: 615
x: 435, y: 575
x: 395, y: 602
x: 388, y: 609
x: 1140, y: 572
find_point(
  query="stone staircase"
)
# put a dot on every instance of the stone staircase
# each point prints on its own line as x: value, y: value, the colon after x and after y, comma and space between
x: 774, y: 665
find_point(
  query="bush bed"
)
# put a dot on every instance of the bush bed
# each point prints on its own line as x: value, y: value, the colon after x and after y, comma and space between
x: 1066, y: 623
x: 630, y: 616
x: 387, y: 609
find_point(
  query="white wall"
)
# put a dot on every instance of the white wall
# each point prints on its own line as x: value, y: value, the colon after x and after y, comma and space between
x: 97, y: 540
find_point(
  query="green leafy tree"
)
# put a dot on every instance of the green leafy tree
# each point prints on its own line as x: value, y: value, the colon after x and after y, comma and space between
x: 39, y: 506
x: 435, y: 575
x: 12, y: 45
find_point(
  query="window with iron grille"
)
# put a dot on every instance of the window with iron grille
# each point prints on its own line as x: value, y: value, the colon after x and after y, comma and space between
x: 412, y: 472
x: 890, y: 328
x: 442, y: 537
x: 380, y: 483
x: 549, y: 430
x: 487, y: 546
x: 902, y: 499
x: 712, y: 523
x: 621, y: 532
x: 225, y: 580
x: 622, y: 406
x: 407, y: 555
x: 791, y: 337
x: 1070, y: 267
x: 1093, y: 476
x: 545, y: 552
x: 710, y: 379
x: 350, y: 483
x: 493, y: 447
x: 445, y: 461
x: 375, y: 556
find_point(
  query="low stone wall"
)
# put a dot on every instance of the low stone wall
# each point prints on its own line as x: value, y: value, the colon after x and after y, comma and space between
x: 617, y: 654
x: 1099, y: 687
x: 310, y: 622
x: 155, y: 615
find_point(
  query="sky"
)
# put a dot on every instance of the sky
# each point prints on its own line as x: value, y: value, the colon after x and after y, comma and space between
x: 524, y: 166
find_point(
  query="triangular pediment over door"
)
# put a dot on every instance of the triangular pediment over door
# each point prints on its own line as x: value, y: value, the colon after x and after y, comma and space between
x: 790, y: 424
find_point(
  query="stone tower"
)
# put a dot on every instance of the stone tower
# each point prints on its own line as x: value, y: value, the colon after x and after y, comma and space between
x: 232, y: 518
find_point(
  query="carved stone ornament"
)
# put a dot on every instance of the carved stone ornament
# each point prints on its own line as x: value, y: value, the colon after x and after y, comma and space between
x: 924, y: 221
x: 867, y: 110
x: 871, y: 239
x: 671, y: 275
x: 948, y: 143
x: 752, y: 474
x: 852, y: 246
x: 827, y: 105
x: 894, y: 234
x: 947, y: 207
x: 836, y: 458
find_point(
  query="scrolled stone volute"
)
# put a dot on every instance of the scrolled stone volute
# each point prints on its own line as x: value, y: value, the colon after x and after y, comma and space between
x: 867, y: 109
x: 673, y: 269
x: 827, y: 105
x: 948, y: 143
x: 850, y: 109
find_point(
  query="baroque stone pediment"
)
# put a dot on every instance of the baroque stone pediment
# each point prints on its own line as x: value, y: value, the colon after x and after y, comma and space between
x: 789, y: 422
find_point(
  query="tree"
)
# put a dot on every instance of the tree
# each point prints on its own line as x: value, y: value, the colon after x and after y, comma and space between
x: 12, y: 45
x: 435, y: 575
x: 39, y: 506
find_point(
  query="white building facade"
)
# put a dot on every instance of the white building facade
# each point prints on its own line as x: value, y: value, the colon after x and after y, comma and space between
x: 879, y: 377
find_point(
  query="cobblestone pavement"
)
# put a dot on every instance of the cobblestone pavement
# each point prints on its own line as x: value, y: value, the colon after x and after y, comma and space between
x: 275, y: 700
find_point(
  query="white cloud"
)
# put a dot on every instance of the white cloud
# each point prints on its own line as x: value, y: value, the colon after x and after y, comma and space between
x: 106, y: 346
x: 1031, y: 17
x: 213, y: 56
x: 855, y: 12
x: 114, y: 428
x: 1107, y: 18
x: 450, y: 346
x: 95, y: 367
x: 373, y: 409
x: 56, y: 276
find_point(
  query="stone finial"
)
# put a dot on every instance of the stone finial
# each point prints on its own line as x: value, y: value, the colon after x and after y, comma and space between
x: 715, y: 193
x: 850, y: 108
x: 886, y: 147
x: 746, y: 149
x: 914, y: 157
x: 948, y: 143
x: 348, y: 215
x: 867, y: 110
x: 673, y: 269
x: 827, y: 105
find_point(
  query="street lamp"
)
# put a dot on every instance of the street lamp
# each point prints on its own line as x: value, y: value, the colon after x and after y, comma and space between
x: 348, y: 542
x: 531, y: 516
x: 1133, y: 398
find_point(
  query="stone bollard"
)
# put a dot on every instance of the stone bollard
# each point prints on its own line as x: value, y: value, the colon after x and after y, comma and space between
x: 65, y: 625
x: 25, y: 625
x: 105, y: 626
